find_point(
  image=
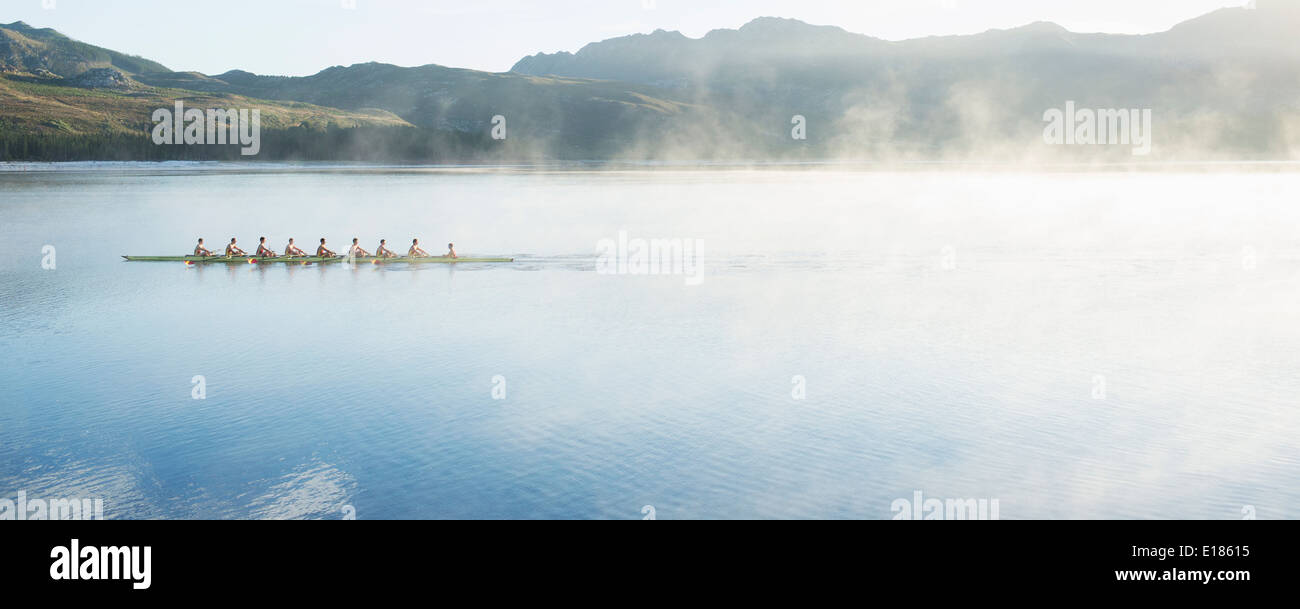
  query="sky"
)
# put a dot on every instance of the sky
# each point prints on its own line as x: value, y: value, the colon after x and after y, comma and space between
x: 302, y: 37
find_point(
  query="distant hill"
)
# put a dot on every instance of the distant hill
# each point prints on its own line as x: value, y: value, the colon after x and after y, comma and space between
x: 28, y: 50
x: 1222, y: 86
x: 551, y: 116
x: 53, y: 84
x: 767, y: 46
x: 545, y: 117
x: 61, y: 99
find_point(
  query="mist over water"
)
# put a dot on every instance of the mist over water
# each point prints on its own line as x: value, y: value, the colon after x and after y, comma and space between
x: 953, y: 328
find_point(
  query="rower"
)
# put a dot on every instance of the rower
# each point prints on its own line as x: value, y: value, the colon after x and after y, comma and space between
x: 263, y: 251
x: 233, y: 250
x: 323, y: 251
x: 293, y: 250
x: 451, y: 251
x: 199, y: 250
x: 383, y: 250
x: 355, y: 251
x: 415, y: 251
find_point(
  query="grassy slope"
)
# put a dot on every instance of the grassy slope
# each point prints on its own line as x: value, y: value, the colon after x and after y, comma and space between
x: 47, y: 109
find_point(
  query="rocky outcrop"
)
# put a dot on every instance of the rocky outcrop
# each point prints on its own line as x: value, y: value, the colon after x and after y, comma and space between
x: 104, y: 78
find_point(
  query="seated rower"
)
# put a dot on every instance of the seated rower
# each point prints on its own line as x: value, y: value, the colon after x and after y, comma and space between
x: 415, y: 251
x: 383, y: 250
x: 263, y: 251
x: 323, y: 251
x: 355, y: 251
x: 233, y: 250
x: 451, y: 251
x: 293, y: 250
x: 199, y: 250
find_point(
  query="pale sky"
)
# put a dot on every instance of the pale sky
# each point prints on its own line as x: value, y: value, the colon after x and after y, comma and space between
x: 300, y: 37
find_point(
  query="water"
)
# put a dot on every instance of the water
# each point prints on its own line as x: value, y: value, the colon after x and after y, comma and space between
x: 1073, y: 344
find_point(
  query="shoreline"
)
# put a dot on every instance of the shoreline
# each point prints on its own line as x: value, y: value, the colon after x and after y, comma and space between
x: 17, y: 167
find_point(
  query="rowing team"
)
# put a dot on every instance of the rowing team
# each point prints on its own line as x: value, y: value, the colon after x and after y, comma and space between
x: 291, y: 250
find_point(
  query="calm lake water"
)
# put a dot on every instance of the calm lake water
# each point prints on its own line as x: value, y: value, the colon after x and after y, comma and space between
x: 1073, y: 344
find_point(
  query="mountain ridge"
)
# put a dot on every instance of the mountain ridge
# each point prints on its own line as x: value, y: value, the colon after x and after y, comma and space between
x: 26, y: 49
x: 733, y: 92
x: 1277, y: 22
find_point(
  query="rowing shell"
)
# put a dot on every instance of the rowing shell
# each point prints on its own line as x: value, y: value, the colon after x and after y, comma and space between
x: 311, y: 259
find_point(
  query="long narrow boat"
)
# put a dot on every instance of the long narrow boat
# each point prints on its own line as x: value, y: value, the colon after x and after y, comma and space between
x: 311, y: 260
